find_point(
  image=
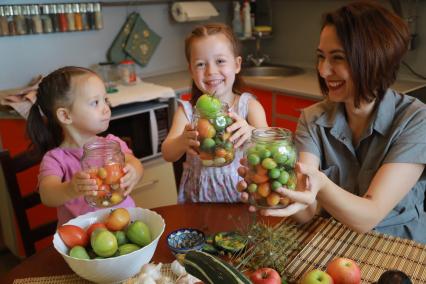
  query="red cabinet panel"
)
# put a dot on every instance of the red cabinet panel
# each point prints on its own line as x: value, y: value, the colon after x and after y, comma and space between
x: 265, y: 99
x: 286, y: 123
x: 290, y: 105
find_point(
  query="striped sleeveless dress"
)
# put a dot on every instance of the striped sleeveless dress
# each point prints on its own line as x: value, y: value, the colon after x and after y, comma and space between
x: 211, y: 184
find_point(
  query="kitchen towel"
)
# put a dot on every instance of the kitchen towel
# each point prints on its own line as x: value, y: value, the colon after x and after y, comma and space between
x: 116, y: 51
x: 142, y: 42
x: 193, y: 11
x: 140, y: 92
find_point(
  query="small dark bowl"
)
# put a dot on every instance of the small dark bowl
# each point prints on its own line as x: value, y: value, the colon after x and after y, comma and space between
x: 186, y: 239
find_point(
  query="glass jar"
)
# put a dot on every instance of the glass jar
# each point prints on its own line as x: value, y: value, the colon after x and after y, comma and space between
x: 104, y: 161
x: 271, y: 157
x: 215, y: 148
x: 128, y: 72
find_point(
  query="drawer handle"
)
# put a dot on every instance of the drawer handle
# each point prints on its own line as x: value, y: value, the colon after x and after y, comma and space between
x: 148, y: 183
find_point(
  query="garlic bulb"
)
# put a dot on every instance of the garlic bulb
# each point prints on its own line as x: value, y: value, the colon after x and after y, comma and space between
x: 177, y: 268
x: 153, y: 270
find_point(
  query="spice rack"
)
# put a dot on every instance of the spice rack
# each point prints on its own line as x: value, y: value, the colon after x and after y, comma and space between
x: 49, y: 18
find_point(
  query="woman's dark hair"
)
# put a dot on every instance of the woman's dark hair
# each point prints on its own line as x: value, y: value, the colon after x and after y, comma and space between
x: 53, y: 92
x: 374, y: 40
x: 207, y: 30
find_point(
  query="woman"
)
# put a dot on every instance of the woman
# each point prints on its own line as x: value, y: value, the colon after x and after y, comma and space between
x: 362, y: 151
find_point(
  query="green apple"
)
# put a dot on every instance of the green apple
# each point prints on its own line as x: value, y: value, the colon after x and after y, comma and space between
x: 316, y: 276
x: 208, y: 105
x: 139, y: 233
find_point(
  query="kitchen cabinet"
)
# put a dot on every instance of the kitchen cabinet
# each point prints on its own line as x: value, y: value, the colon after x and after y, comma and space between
x: 265, y: 98
x: 158, y: 187
x: 288, y: 109
x: 282, y: 109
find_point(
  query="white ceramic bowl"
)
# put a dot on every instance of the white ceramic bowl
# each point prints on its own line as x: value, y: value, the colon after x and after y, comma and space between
x: 114, y: 269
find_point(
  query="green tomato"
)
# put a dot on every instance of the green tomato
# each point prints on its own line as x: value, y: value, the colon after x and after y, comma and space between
x: 121, y: 237
x: 291, y: 183
x: 264, y: 153
x: 252, y: 188
x: 274, y: 173
x: 268, y: 163
x: 229, y: 120
x: 219, y: 123
x: 291, y: 160
x: 228, y: 146
x: 279, y: 158
x: 103, y: 242
x: 207, y: 144
x: 127, y: 248
x: 139, y: 233
x: 283, y: 178
x: 208, y: 105
x: 275, y: 185
x: 253, y: 159
x: 252, y: 150
x: 79, y: 252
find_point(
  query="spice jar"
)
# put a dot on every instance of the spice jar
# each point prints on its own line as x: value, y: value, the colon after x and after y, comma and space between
x: 127, y: 69
x: 215, y: 148
x: 104, y: 161
x: 271, y: 158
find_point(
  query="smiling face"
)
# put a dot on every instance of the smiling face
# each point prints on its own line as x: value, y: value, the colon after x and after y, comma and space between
x: 213, y: 65
x: 333, y: 66
x: 90, y: 113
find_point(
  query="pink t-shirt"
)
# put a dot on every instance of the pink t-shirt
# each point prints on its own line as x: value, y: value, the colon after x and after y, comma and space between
x: 64, y: 163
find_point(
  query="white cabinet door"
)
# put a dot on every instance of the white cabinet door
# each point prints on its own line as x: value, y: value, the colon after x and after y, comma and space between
x: 157, y: 187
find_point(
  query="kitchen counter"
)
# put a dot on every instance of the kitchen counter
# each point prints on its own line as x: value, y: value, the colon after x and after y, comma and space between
x: 303, y: 85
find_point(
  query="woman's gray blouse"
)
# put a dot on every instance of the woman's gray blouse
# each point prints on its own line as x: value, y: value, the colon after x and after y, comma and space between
x: 396, y: 134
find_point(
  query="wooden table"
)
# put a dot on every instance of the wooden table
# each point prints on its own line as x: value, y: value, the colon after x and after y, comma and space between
x: 320, y: 241
x: 209, y: 218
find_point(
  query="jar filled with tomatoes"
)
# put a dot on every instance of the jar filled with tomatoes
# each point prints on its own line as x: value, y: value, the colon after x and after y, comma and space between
x: 211, y: 119
x: 104, y: 161
x: 271, y: 157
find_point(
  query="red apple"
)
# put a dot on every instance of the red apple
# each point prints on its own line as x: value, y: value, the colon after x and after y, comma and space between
x: 344, y: 271
x: 265, y: 275
x: 316, y: 276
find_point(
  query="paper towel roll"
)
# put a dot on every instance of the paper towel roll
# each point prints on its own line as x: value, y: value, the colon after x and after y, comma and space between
x: 193, y: 11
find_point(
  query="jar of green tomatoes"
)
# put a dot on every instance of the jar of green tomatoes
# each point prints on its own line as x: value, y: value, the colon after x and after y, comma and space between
x: 271, y: 157
x: 216, y: 150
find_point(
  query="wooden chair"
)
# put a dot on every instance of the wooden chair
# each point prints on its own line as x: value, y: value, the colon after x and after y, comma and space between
x: 11, y: 166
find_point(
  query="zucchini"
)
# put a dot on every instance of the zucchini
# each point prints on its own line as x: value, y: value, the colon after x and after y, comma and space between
x: 229, y: 242
x: 211, y: 269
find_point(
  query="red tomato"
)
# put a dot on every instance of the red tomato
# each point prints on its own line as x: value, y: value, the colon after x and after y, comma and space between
x: 118, y: 219
x: 93, y: 227
x: 114, y: 173
x: 73, y: 235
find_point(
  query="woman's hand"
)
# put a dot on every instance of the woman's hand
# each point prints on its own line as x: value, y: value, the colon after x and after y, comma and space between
x: 309, y: 182
x: 189, y: 136
x: 130, y: 178
x: 82, y: 184
x: 242, y: 130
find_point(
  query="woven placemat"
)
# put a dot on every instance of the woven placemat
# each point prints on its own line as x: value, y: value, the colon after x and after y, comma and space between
x: 67, y: 279
x: 375, y: 253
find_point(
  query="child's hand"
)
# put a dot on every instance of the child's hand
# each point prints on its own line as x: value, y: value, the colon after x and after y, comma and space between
x: 130, y: 178
x: 82, y: 184
x: 189, y: 135
x: 242, y: 130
